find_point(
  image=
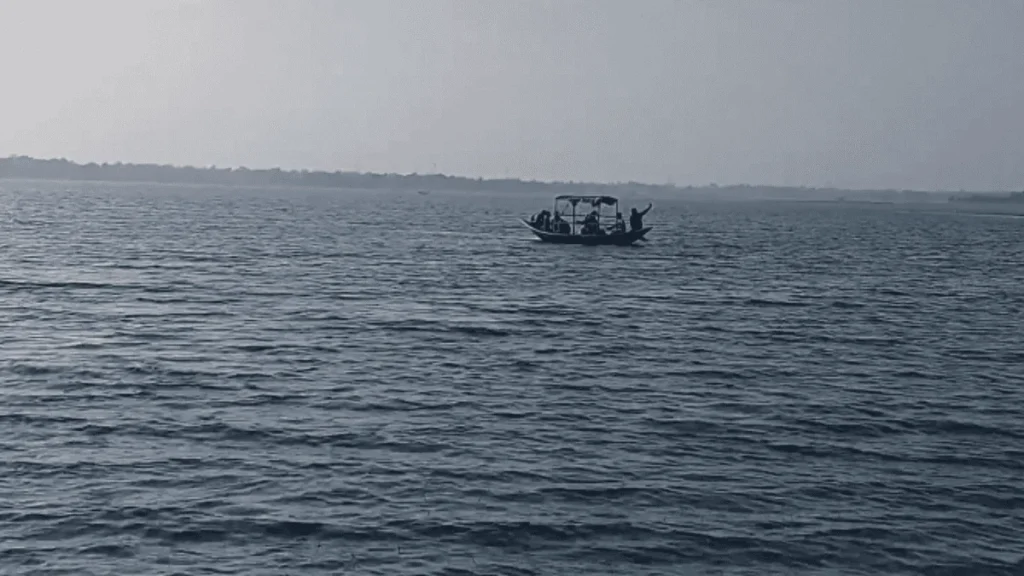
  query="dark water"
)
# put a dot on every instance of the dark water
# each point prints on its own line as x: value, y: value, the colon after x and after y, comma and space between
x: 267, y: 382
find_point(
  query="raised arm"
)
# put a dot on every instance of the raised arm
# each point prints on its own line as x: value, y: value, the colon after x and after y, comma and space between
x: 646, y: 210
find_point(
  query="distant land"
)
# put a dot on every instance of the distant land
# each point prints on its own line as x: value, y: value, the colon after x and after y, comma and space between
x: 1012, y: 197
x: 27, y: 168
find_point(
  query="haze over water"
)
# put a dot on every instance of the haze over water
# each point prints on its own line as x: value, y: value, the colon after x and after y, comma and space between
x: 920, y: 94
x: 254, y: 381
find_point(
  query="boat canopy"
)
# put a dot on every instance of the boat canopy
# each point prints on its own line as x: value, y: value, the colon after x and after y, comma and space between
x: 592, y: 200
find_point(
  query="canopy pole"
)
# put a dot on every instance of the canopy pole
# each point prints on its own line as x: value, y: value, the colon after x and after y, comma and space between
x: 574, y: 218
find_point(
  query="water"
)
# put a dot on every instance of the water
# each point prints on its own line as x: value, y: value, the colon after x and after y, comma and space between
x: 216, y: 381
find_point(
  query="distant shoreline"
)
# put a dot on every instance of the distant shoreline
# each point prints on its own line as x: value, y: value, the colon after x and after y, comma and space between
x: 27, y: 168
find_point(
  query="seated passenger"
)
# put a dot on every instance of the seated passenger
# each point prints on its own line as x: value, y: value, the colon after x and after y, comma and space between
x: 620, y: 225
x: 563, y: 226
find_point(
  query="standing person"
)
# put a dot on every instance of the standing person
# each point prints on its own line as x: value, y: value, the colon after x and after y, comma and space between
x: 636, y: 219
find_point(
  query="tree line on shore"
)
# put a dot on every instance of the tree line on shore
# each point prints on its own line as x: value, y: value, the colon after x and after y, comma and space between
x: 25, y: 167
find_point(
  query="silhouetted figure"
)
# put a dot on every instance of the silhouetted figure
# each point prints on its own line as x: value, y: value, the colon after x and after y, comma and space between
x: 620, y: 225
x: 561, y: 226
x: 542, y: 220
x: 636, y: 219
x: 591, y: 224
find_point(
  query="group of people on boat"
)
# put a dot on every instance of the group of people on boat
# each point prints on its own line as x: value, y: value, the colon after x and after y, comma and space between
x: 548, y: 223
x: 591, y: 223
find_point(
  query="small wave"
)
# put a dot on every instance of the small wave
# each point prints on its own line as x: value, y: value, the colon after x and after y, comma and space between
x: 525, y: 366
x: 479, y: 331
x: 503, y: 534
x: 35, y: 419
x: 109, y: 550
x: 768, y: 303
x: 847, y: 429
x: 240, y: 530
x: 952, y: 428
x: 256, y: 347
x: 845, y: 305
x: 892, y: 292
x: 18, y: 286
x: 439, y: 326
x: 25, y: 369
x: 709, y: 373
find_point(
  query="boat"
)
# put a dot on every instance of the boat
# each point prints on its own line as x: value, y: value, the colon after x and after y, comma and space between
x: 572, y: 230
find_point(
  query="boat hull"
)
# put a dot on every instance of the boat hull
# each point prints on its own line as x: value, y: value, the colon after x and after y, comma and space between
x: 625, y: 239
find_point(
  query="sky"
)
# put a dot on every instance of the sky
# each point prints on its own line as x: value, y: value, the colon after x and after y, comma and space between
x: 922, y: 94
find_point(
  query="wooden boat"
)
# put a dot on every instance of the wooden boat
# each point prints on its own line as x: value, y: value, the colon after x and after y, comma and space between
x: 612, y: 239
x: 595, y: 235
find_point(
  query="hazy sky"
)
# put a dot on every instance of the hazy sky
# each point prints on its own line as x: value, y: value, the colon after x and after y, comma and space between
x: 860, y: 93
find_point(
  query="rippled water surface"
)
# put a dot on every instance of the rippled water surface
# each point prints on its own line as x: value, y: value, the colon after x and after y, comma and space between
x: 226, y: 381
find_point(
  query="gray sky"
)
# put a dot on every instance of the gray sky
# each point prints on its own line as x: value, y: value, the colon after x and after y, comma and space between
x: 860, y: 93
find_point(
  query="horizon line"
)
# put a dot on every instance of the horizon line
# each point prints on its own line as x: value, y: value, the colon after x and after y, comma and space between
x: 213, y: 167
x: 413, y: 175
